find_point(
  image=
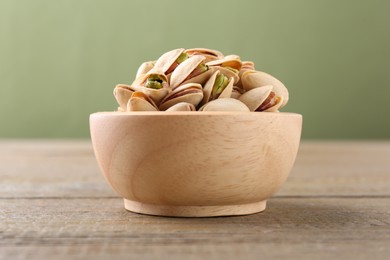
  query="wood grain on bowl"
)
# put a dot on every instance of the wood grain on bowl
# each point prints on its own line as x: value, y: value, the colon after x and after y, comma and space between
x: 195, y: 163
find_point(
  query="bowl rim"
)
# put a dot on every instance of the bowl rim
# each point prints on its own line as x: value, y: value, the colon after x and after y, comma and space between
x: 194, y: 113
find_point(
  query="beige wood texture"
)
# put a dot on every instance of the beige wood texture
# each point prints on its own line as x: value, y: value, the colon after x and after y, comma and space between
x: 195, y: 164
x: 55, y: 204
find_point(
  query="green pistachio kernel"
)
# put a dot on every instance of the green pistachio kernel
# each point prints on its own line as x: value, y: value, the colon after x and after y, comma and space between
x: 202, y: 67
x: 154, y: 82
x: 220, y: 84
x: 183, y: 56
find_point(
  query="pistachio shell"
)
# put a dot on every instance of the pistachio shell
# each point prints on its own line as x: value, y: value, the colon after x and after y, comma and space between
x: 228, y: 73
x: 182, y: 106
x: 248, y: 65
x: 227, y: 92
x: 200, y: 79
x: 190, y: 93
x: 255, y: 79
x: 144, y: 68
x: 167, y: 59
x: 208, y: 88
x: 140, y: 81
x: 122, y: 93
x: 239, y: 83
x: 255, y: 97
x: 231, y: 61
x: 224, y: 104
x: 156, y: 94
x: 139, y: 101
x: 209, y: 54
x: 275, y: 107
x: 180, y: 74
x: 232, y: 57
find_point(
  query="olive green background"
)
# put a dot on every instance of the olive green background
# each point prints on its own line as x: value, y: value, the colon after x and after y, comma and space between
x: 59, y: 60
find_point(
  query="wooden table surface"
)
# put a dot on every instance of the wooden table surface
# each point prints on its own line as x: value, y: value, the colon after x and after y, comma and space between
x: 54, y: 203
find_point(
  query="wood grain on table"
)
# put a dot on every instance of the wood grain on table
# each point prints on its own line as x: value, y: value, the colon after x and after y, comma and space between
x: 55, y: 203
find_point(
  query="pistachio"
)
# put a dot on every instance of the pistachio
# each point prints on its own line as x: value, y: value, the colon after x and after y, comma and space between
x: 139, y: 101
x: 190, y: 93
x: 198, y: 70
x: 254, y: 79
x: 201, y: 79
x: 183, y: 56
x: 122, y: 93
x: 221, y: 81
x: 268, y: 102
x: 182, y: 106
x: 192, y: 70
x: 225, y: 104
x: 154, y: 82
x: 254, y: 98
x: 209, y: 54
x: 231, y: 61
x: 168, y: 61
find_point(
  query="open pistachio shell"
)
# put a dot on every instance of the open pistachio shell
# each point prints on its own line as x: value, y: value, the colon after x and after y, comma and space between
x: 139, y: 101
x: 183, y: 72
x: 230, y: 61
x: 154, y: 73
x: 157, y: 89
x: 225, y: 104
x: 209, y: 91
x: 156, y: 94
x: 122, y: 93
x: 190, y: 93
x: 277, y: 105
x: 168, y: 59
x: 182, y: 106
x: 144, y: 68
x: 255, y: 79
x: 209, y: 54
x: 228, y: 72
x: 255, y: 97
x: 200, y: 79
x: 248, y: 65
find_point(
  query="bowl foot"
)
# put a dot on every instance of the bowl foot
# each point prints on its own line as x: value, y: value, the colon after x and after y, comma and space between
x: 194, y: 211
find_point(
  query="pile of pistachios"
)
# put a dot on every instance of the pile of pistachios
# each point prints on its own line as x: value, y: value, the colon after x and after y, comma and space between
x: 201, y: 80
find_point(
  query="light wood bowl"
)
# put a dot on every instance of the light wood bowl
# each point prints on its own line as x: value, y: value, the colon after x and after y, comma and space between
x: 195, y: 164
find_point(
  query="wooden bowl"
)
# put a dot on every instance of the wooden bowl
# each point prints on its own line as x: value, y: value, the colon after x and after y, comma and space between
x: 195, y: 164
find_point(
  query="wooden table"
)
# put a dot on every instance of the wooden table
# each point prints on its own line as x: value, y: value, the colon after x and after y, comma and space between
x: 54, y: 203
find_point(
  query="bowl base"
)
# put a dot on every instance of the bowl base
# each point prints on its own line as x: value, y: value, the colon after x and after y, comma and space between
x: 194, y: 211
